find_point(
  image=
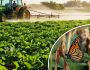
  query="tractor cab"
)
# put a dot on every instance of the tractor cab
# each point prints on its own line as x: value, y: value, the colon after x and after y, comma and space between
x: 13, y: 9
x: 4, y: 2
x: 10, y: 4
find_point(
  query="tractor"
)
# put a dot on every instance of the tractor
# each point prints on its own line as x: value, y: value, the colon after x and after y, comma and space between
x: 13, y: 9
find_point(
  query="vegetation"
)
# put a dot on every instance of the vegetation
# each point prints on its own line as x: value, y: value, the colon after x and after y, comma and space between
x: 72, y: 4
x: 26, y: 45
x: 85, y: 4
x: 53, y: 5
x: 77, y: 4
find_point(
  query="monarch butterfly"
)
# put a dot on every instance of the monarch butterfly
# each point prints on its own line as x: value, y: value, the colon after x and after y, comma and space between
x: 75, y: 52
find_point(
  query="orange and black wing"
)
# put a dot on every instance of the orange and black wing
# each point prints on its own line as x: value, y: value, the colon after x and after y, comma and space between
x: 75, y: 52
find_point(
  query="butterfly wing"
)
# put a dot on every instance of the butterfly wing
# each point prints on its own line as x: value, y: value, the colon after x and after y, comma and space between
x: 75, y: 52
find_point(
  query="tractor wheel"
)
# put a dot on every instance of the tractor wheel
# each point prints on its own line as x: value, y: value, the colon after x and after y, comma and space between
x: 24, y: 14
x: 2, y: 17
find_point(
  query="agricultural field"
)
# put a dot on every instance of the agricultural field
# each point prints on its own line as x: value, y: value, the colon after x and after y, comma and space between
x: 26, y: 45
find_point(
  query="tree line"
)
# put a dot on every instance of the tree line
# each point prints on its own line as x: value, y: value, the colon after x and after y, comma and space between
x: 77, y: 4
x: 53, y: 5
x: 58, y: 6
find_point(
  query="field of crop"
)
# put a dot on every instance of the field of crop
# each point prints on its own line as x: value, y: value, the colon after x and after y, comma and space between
x: 26, y: 45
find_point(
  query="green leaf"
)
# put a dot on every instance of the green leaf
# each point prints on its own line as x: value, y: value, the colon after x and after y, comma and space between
x: 0, y: 61
x: 16, y: 64
x: 1, y: 49
x: 19, y: 55
x: 3, y: 68
x: 3, y: 58
x: 28, y: 65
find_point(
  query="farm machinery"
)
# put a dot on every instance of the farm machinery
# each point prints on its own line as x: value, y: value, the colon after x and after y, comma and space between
x: 13, y: 9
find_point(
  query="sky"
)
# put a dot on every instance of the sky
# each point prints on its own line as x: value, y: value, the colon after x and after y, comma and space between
x: 38, y: 1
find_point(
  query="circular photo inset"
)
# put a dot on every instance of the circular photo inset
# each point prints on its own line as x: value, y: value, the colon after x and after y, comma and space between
x: 72, y: 50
